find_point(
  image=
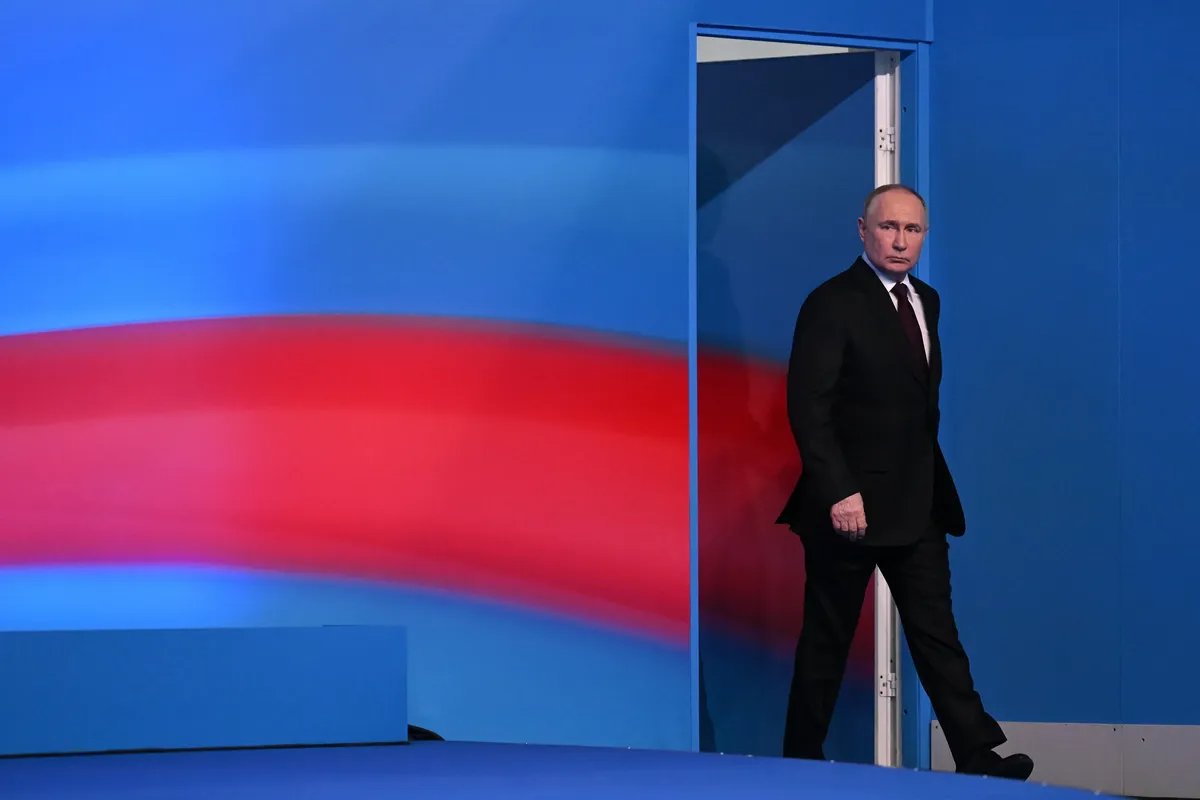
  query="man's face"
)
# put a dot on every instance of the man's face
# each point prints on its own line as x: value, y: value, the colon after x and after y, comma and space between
x: 893, y: 231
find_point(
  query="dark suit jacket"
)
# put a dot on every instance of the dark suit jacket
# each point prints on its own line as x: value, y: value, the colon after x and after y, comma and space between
x: 864, y: 415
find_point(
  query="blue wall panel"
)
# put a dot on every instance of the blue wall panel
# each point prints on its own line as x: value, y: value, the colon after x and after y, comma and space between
x: 1160, y: 364
x: 71, y: 691
x: 1024, y: 241
x: 1063, y: 189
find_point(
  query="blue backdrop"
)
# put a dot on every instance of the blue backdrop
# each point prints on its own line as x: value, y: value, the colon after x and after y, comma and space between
x: 516, y: 162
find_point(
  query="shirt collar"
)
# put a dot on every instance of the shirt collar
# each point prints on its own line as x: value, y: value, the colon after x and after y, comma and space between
x: 889, y: 282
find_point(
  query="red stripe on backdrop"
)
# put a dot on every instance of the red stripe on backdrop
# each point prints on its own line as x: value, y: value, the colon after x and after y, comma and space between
x: 751, y: 569
x: 489, y: 459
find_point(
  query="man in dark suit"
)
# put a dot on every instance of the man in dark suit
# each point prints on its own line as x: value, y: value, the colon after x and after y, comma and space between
x: 875, y: 490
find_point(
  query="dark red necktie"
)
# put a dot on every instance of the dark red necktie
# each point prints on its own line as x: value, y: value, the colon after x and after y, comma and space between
x: 912, y: 330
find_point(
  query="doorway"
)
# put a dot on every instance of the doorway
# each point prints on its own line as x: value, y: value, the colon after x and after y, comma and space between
x: 789, y: 135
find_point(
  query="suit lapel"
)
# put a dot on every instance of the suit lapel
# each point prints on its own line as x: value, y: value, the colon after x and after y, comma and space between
x: 883, y: 313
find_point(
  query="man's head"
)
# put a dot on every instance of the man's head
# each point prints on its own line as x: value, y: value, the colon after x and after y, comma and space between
x: 893, y: 227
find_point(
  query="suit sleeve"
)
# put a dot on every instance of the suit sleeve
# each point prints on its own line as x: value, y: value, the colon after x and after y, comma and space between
x: 814, y: 369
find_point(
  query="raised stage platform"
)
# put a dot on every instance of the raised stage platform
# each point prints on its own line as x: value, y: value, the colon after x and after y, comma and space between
x: 458, y: 771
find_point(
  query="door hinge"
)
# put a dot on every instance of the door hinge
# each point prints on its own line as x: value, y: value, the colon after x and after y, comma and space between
x: 887, y: 687
x: 887, y: 139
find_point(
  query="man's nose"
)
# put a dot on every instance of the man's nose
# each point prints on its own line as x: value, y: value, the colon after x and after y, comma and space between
x: 900, y: 242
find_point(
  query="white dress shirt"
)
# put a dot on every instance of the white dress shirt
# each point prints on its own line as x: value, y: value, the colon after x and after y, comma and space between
x: 914, y: 299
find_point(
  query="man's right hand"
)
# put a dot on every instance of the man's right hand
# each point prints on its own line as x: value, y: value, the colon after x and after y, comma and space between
x: 850, y: 518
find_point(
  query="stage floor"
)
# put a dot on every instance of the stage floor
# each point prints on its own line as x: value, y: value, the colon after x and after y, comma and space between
x: 457, y: 771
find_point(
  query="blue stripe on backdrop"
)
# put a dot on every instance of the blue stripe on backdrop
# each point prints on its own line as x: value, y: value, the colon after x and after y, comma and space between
x: 524, y: 159
x: 89, y: 78
x: 567, y: 236
x: 477, y: 670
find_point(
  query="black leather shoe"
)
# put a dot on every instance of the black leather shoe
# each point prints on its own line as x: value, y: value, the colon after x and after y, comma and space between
x: 1017, y: 766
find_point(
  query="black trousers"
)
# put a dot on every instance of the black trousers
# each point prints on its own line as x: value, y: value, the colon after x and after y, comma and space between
x: 919, y: 577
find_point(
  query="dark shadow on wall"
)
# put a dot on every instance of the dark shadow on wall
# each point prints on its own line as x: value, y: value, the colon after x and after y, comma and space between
x: 748, y: 110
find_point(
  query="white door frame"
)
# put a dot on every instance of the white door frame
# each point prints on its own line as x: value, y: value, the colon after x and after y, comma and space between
x: 887, y: 623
